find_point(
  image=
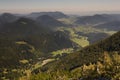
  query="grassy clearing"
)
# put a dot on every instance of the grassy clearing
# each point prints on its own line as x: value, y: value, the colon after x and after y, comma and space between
x: 82, y: 42
x: 32, y: 49
x: 21, y: 42
x: 60, y: 52
x: 24, y: 61
x: 42, y: 63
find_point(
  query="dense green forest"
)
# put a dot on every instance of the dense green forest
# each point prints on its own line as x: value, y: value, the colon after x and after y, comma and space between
x: 107, y: 68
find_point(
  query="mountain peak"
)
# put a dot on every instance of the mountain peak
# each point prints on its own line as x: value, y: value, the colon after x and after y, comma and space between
x: 7, y: 17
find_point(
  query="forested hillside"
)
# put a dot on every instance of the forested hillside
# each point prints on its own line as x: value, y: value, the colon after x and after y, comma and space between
x: 102, y: 53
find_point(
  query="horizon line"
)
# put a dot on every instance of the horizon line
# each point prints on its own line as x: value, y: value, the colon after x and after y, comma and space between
x: 65, y: 12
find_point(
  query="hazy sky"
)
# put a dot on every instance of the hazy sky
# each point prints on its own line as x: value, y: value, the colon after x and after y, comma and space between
x: 68, y: 6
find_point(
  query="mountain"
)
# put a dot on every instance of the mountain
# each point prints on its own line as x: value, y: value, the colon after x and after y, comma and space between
x: 49, y: 21
x: 113, y: 25
x: 55, y: 15
x: 14, y: 32
x: 92, y: 20
x: 89, y: 54
x: 114, y: 17
x: 24, y: 39
x: 94, y: 37
x: 7, y: 17
x: 11, y: 52
x: 22, y: 26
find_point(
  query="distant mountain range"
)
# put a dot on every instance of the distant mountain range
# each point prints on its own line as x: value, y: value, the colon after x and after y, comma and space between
x: 97, y: 19
x: 55, y: 15
x: 49, y: 19
x: 45, y: 19
x: 91, y: 20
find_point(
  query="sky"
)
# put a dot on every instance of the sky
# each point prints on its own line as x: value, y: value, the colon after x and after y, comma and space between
x: 67, y: 6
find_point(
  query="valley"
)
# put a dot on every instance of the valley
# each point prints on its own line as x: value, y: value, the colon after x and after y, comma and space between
x: 57, y: 46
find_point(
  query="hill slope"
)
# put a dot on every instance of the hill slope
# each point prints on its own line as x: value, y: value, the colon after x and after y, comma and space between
x: 28, y: 39
x: 49, y: 21
x: 7, y: 17
x: 90, y: 54
x: 91, y: 20
x: 114, y: 25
